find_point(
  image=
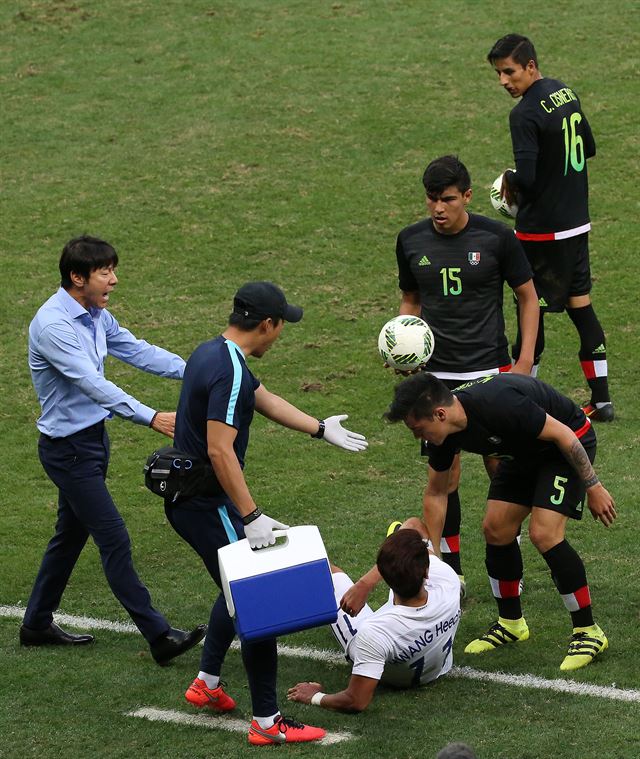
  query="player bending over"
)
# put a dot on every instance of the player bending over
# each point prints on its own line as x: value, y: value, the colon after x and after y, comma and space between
x: 405, y: 643
x: 545, y: 445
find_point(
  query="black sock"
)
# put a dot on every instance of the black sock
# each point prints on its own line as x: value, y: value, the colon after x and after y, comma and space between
x: 593, y: 352
x: 504, y: 565
x: 570, y: 577
x: 450, y: 543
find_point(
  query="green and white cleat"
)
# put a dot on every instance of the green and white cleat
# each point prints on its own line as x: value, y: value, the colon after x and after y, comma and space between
x: 499, y: 634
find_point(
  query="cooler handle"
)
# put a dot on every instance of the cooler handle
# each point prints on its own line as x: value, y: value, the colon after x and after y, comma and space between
x: 276, y: 534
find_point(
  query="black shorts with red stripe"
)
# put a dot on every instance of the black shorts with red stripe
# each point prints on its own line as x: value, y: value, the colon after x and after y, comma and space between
x: 548, y: 483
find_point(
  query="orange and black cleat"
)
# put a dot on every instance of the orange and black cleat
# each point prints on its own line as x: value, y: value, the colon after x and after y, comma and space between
x: 211, y: 698
x: 284, y: 730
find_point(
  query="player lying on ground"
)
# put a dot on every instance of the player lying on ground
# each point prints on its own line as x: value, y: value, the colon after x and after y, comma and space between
x: 405, y: 643
x: 546, y: 447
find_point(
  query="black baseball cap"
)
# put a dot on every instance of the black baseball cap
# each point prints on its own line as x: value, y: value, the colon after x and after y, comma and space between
x: 261, y: 300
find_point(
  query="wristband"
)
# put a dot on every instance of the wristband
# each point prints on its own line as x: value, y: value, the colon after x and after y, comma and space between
x: 320, y: 433
x: 251, y: 516
x: 317, y: 698
x: 153, y: 418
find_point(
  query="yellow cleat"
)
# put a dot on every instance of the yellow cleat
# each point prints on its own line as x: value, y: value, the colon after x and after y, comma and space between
x: 501, y: 632
x: 393, y: 527
x: 463, y: 588
x: 585, y: 644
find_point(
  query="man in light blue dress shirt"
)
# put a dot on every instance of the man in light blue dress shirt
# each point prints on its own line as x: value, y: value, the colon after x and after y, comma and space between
x: 69, y: 340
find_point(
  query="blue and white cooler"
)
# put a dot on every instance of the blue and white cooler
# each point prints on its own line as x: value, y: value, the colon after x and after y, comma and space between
x: 280, y: 589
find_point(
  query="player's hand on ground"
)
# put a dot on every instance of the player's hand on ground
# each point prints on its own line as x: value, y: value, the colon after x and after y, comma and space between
x: 164, y: 422
x: 259, y: 533
x: 303, y: 692
x: 601, y: 504
x: 353, y: 601
x: 336, y: 434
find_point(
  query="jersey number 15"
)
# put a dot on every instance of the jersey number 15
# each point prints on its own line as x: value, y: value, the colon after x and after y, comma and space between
x: 451, y: 282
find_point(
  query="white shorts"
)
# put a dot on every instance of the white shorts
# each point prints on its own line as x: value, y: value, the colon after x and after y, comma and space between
x: 345, y: 628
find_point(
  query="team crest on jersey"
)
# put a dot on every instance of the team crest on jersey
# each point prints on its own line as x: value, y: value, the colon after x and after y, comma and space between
x: 474, y: 257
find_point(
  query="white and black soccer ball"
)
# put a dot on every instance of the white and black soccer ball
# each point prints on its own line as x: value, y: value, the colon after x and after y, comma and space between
x: 500, y: 205
x: 406, y: 342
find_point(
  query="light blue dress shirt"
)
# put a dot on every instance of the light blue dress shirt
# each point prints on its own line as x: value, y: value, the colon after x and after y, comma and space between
x: 67, y: 349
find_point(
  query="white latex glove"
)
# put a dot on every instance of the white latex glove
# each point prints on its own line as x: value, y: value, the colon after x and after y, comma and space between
x: 259, y: 533
x: 336, y: 434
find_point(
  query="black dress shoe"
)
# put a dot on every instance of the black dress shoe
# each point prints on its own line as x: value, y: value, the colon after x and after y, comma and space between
x: 175, y: 642
x: 52, y: 636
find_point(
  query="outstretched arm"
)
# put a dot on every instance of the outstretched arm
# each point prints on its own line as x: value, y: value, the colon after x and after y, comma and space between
x: 599, y: 500
x: 330, y: 429
x: 354, y: 698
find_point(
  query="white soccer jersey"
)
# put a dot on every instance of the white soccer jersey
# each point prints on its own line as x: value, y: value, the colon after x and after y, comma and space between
x: 404, y: 646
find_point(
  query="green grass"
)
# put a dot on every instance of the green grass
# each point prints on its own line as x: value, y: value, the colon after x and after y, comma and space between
x: 214, y: 142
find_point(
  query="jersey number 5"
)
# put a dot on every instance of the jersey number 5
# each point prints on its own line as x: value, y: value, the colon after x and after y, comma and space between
x: 573, y: 143
x: 559, y: 483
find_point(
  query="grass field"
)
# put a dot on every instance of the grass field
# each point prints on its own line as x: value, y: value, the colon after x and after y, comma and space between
x: 214, y: 142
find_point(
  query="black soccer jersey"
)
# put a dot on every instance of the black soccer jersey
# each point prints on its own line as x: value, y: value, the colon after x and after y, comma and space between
x: 505, y: 415
x: 460, y: 279
x: 217, y: 386
x: 548, y: 126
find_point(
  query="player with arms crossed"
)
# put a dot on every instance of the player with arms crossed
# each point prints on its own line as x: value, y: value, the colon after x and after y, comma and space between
x: 545, y: 445
x: 408, y: 641
x: 552, y: 141
x: 452, y: 268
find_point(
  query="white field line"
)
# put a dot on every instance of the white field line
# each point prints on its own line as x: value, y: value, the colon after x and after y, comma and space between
x: 539, y: 683
x: 217, y: 723
x: 91, y: 623
x: 333, y: 657
x: 83, y: 623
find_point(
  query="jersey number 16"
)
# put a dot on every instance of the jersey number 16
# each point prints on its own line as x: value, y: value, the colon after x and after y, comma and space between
x: 573, y: 143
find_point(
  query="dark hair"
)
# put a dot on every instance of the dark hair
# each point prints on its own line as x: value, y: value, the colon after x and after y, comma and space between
x: 403, y: 560
x: 82, y: 255
x: 247, y: 323
x: 418, y: 396
x: 443, y: 172
x: 456, y: 751
x: 514, y: 46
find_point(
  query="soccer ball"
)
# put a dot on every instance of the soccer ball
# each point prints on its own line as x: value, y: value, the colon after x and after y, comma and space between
x: 501, y: 206
x: 406, y: 342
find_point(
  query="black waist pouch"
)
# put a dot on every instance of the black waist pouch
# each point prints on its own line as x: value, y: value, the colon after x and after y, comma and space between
x: 172, y: 473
